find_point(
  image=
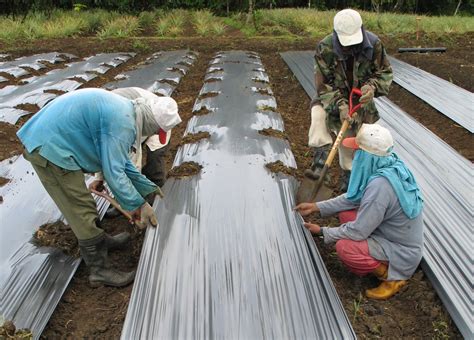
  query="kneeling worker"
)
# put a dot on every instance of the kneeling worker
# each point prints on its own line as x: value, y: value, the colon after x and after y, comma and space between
x: 88, y: 131
x: 385, y: 235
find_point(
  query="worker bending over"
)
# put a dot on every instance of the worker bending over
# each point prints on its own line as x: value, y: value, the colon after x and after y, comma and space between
x: 384, y: 236
x: 350, y: 57
x: 88, y: 131
x: 156, y: 146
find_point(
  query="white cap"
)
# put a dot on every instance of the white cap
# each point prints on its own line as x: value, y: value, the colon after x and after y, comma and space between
x: 373, y: 138
x: 348, y: 24
x: 165, y: 111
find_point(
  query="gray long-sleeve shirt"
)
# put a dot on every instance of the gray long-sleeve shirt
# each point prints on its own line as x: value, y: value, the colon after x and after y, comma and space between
x: 391, y: 235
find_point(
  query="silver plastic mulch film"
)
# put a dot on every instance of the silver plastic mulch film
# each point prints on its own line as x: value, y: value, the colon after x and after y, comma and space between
x: 19, y: 67
x: 446, y: 180
x: 39, y: 90
x: 451, y: 100
x: 230, y: 258
x: 160, y: 73
x: 32, y: 279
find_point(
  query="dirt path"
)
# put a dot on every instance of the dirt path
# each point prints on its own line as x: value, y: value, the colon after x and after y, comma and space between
x: 99, y: 313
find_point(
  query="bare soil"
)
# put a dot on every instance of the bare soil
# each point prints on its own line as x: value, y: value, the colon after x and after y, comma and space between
x: 278, y: 166
x: 416, y: 312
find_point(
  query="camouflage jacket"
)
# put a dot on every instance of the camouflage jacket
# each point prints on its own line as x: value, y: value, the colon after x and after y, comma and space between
x: 334, y: 79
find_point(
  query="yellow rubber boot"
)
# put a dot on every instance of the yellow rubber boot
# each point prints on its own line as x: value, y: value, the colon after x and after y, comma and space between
x: 381, y: 271
x: 385, y: 290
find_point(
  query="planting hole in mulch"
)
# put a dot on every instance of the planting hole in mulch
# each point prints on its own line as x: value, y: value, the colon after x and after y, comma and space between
x: 195, y: 137
x: 202, y: 111
x: 212, y: 80
x: 168, y: 81
x: 177, y: 69
x: 53, y: 91
x: 3, y: 181
x: 184, y: 170
x: 208, y: 95
x: 278, y: 166
x: 216, y: 70
x: 259, y: 80
x: 273, y: 133
x: 57, y: 235
x: 265, y: 91
x: 266, y: 108
x: 33, y: 108
x: 8, y: 331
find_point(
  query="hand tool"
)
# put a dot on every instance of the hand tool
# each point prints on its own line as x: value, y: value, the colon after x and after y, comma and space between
x: 314, y: 190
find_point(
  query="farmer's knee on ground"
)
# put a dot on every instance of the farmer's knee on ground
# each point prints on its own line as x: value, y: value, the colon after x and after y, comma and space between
x: 318, y: 134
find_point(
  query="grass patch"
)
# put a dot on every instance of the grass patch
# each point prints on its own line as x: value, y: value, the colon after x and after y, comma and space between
x: 205, y: 23
x: 121, y: 27
x: 172, y: 24
x: 290, y: 23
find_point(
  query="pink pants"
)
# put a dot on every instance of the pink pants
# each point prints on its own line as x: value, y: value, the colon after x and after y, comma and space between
x: 355, y: 254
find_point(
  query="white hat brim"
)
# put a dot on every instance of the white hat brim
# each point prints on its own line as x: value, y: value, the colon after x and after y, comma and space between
x: 349, y: 40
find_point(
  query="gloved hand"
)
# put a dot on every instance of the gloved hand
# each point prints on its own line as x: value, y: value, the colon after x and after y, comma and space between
x: 97, y: 185
x: 144, y: 216
x: 344, y: 113
x: 367, y: 94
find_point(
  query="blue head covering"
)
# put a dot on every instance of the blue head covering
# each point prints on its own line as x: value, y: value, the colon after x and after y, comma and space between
x: 367, y: 166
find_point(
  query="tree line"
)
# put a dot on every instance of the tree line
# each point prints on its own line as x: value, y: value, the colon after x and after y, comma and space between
x: 222, y: 7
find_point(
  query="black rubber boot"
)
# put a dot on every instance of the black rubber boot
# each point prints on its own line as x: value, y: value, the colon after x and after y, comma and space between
x: 117, y: 241
x: 345, y: 176
x: 320, y: 155
x: 94, y: 253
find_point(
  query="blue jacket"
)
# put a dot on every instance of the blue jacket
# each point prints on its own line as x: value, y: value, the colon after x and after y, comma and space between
x: 91, y: 130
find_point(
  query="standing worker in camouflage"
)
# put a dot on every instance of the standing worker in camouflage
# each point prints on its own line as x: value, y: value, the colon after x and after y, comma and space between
x: 350, y: 57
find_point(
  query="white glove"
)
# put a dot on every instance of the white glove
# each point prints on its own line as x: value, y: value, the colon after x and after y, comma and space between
x: 344, y: 113
x: 368, y: 93
x: 147, y: 216
x: 318, y: 134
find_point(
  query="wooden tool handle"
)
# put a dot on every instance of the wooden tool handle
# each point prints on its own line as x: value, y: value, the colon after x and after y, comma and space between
x: 114, y: 203
x: 328, y: 162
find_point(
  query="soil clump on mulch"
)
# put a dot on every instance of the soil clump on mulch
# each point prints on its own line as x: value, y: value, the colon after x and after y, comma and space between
x: 416, y: 312
x: 57, y: 235
x: 195, y: 137
x: 273, y: 133
x: 186, y: 169
x: 278, y: 166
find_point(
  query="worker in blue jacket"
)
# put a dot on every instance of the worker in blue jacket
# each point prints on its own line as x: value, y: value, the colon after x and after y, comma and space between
x: 89, y: 131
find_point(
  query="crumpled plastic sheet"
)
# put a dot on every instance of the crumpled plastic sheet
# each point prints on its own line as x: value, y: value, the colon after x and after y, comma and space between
x: 32, y: 279
x: 160, y: 73
x: 446, y: 180
x: 449, y: 99
x: 230, y: 258
x: 60, y: 79
x: 16, y: 68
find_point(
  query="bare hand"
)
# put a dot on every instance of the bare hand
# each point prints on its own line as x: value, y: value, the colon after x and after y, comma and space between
x: 306, y: 208
x: 97, y: 185
x: 313, y: 228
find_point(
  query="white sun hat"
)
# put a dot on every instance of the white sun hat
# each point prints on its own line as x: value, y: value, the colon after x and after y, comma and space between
x: 373, y: 138
x: 165, y: 110
x: 348, y: 27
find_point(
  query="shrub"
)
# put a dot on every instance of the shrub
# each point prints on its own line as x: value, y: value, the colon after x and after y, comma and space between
x: 121, y: 27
